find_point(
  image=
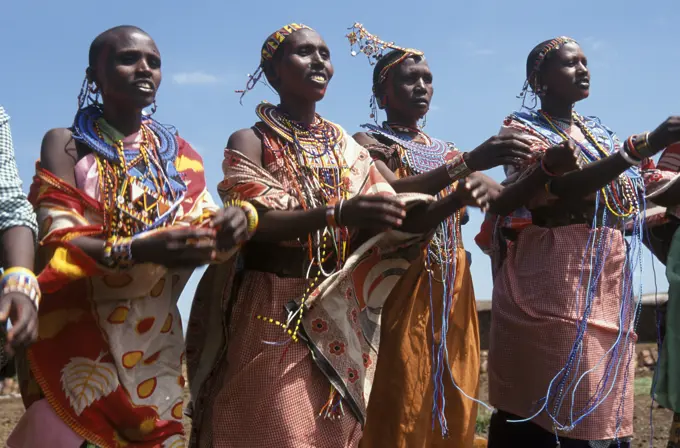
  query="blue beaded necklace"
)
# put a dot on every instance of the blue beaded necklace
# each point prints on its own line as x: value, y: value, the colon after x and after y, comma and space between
x: 420, y: 158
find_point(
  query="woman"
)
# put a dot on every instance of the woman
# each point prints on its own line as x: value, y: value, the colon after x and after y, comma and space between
x: 124, y: 218
x: 564, y: 310
x: 413, y: 387
x: 317, y: 272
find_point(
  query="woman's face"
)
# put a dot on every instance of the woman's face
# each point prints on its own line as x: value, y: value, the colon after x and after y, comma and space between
x: 565, y: 75
x: 305, y: 69
x: 409, y: 88
x: 128, y: 70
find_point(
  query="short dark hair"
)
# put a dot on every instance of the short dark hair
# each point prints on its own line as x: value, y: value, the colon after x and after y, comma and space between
x: 100, y: 42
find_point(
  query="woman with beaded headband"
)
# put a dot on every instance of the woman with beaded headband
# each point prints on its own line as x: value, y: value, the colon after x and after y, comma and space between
x: 124, y: 218
x: 435, y: 301
x: 302, y: 319
x: 562, y: 332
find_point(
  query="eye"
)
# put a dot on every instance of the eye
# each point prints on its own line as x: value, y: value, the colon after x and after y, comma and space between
x: 154, y: 62
x: 427, y: 79
x: 128, y: 58
x: 325, y: 54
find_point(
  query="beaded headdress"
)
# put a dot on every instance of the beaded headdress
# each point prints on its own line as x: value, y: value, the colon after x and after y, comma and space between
x: 550, y: 46
x: 269, y: 48
x: 375, y: 48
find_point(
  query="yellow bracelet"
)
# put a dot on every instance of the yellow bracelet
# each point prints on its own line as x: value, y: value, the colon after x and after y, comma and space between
x: 22, y: 280
x: 16, y: 270
x: 250, y: 211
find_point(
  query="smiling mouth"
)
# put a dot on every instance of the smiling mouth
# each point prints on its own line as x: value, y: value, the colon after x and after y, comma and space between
x: 319, y: 79
x: 583, y: 84
x: 145, y: 86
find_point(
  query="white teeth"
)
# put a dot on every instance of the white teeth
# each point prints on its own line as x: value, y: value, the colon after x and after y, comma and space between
x: 318, y: 78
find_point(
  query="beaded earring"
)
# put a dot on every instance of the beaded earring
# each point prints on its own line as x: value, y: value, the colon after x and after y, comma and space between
x: 422, y: 126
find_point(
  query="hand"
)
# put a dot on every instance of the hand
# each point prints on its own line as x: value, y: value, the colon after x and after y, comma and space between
x: 499, y: 150
x: 562, y: 158
x: 232, y: 227
x: 477, y: 190
x: 177, y: 247
x: 373, y: 211
x: 665, y: 134
x: 24, y: 314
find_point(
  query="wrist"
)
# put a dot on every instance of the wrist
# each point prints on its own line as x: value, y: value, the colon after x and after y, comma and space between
x: 457, y: 168
x: 547, y: 169
x: 469, y: 159
x: 23, y: 281
x: 118, y: 252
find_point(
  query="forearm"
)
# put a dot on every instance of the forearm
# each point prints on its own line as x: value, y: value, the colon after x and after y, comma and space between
x: 93, y: 247
x: 589, y: 179
x: 518, y: 194
x: 18, y: 249
x: 670, y: 197
x: 431, y: 182
x: 276, y: 225
x: 424, y: 218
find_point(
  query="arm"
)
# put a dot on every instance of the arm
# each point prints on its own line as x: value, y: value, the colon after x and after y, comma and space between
x: 431, y: 182
x: 518, y: 194
x: 590, y: 178
x: 17, y: 219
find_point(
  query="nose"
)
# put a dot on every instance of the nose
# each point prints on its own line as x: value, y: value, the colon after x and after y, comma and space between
x: 143, y: 66
x: 420, y: 84
x: 582, y: 69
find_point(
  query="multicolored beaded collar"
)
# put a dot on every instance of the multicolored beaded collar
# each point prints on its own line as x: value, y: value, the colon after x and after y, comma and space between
x: 140, y: 188
x: 420, y: 158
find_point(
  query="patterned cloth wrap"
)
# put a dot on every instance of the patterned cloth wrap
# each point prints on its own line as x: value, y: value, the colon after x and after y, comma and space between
x: 110, y: 348
x: 341, y: 321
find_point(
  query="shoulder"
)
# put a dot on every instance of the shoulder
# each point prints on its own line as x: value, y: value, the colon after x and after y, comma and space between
x: 248, y: 142
x: 365, y: 139
x: 58, y: 153
x: 56, y: 139
x: 184, y: 148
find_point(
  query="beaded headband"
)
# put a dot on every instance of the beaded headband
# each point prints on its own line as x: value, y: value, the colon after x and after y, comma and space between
x: 551, y: 46
x: 269, y: 48
x: 374, y: 48
x: 274, y: 41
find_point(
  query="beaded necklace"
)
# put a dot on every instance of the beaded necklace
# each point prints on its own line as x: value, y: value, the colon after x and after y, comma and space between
x: 312, y: 159
x: 140, y: 189
x: 419, y: 157
x: 619, y: 195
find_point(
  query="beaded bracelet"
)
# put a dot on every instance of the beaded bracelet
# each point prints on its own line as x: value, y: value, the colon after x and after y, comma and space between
x: 23, y: 281
x: 456, y: 168
x: 118, y: 252
x: 250, y: 211
x: 639, y: 146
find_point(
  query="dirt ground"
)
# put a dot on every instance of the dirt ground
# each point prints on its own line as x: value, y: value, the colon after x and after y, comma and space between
x: 11, y: 410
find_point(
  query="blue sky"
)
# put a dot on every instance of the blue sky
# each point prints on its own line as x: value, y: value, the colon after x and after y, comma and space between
x: 477, y: 51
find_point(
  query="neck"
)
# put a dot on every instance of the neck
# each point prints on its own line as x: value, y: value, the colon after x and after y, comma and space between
x: 395, y: 117
x: 125, y: 122
x: 557, y: 109
x: 303, y: 112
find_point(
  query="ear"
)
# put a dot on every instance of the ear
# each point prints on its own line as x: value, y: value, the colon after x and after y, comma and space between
x: 380, y: 95
x: 91, y: 77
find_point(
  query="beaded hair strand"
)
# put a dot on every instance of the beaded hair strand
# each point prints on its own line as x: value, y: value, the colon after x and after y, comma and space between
x: 269, y: 48
x: 535, y: 61
x: 375, y: 49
